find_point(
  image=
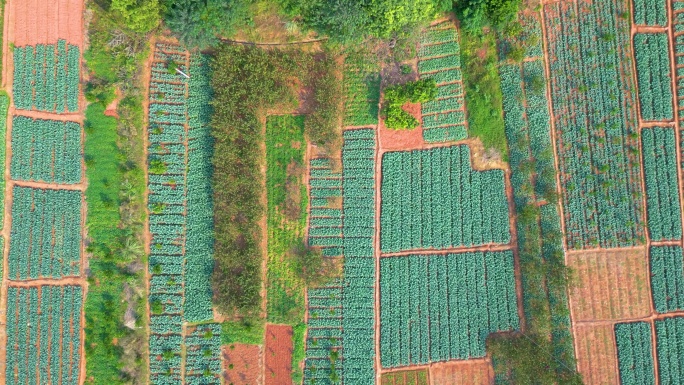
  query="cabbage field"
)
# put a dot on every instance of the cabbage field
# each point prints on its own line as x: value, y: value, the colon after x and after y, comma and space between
x: 43, y: 335
x: 651, y: 51
x: 635, y: 358
x: 180, y: 209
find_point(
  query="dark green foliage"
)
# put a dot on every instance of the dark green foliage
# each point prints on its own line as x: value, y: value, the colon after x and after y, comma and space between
x: 139, y: 16
x: 113, y: 155
x: 245, y: 331
x: 475, y: 14
x: 200, y: 23
x: 324, y: 124
x: 483, y: 91
x: 247, y: 81
x: 420, y: 91
x: 352, y: 20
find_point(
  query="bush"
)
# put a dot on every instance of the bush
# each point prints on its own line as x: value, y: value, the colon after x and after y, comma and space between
x: 200, y: 23
x: 420, y: 91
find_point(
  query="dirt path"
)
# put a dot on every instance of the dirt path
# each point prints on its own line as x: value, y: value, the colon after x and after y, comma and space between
x: 452, y: 250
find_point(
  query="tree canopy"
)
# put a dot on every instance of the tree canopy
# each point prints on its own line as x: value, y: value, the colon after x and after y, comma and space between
x: 199, y: 23
x: 138, y: 15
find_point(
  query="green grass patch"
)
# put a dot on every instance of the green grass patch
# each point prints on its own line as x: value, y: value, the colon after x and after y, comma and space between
x: 298, y: 352
x: 286, y: 217
x: 244, y: 332
x: 483, y: 91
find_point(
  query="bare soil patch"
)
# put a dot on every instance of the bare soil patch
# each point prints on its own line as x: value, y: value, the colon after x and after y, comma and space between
x: 596, y: 354
x: 278, y: 355
x: 45, y: 22
x: 242, y: 364
x: 468, y: 372
x: 609, y: 285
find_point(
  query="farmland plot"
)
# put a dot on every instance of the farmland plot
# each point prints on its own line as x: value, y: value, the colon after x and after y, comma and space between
x: 670, y: 348
x: 45, y: 240
x: 407, y: 377
x: 434, y: 199
x: 593, y: 103
x: 609, y: 285
x: 341, y: 336
x: 46, y: 77
x: 203, y: 355
x: 470, y: 372
x: 635, y: 354
x: 180, y: 208
x: 439, y: 58
x: 667, y: 278
x: 46, y: 151
x: 285, y: 194
x: 44, y: 335
x: 651, y: 51
x: 659, y: 151
x: 442, y: 307
x: 650, y: 12
x: 325, y: 216
x: 362, y: 91
x: 278, y: 355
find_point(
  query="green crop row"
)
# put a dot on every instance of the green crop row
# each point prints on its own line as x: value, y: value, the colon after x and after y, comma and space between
x: 439, y: 58
x: 670, y: 348
x: 435, y: 199
x: 203, y: 355
x: 659, y: 151
x: 45, y: 240
x: 44, y: 335
x: 179, y: 188
x: 667, y: 281
x: 595, y: 121
x: 650, y: 12
x: 652, y: 54
x: 46, y: 151
x: 361, y: 90
x: 634, y: 351
x: 46, y: 77
x: 339, y: 347
x: 443, y: 307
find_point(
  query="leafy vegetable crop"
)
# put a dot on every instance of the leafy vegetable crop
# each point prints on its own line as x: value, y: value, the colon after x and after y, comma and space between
x: 635, y: 354
x: 652, y: 54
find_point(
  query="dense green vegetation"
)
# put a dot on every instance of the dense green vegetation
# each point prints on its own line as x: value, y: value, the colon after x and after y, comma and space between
x: 396, y: 96
x: 483, y: 90
x: 115, y: 307
x: 201, y: 23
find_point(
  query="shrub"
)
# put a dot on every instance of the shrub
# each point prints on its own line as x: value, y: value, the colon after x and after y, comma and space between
x: 420, y: 91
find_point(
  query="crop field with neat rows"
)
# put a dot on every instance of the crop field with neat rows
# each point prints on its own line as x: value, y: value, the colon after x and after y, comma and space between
x: 44, y: 335
x: 634, y: 351
x: 46, y: 151
x: 46, y: 77
x: 650, y: 12
x: 203, y: 355
x: 435, y: 199
x: 442, y: 307
x: 45, y: 240
x: 439, y: 58
x: 678, y: 48
x: 325, y: 216
x: 340, y: 339
x: 670, y: 348
x: 651, y: 53
x: 179, y: 199
x: 659, y: 151
x: 667, y: 279
x: 593, y: 94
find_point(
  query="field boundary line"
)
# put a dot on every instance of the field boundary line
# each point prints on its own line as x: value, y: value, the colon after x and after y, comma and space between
x: 451, y: 250
x: 65, y: 281
x: 76, y: 117
x: 48, y: 186
x: 436, y: 364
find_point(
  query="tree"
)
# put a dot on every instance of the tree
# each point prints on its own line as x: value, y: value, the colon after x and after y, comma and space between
x: 200, y: 23
x: 139, y: 15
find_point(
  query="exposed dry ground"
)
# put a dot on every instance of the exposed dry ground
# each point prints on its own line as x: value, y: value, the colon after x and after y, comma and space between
x: 242, y: 364
x: 278, y: 355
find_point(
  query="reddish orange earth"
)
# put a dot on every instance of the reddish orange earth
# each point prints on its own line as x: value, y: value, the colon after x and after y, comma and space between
x: 242, y: 364
x: 403, y: 139
x: 45, y: 21
x: 596, y: 354
x: 406, y: 377
x: 469, y: 372
x: 610, y: 285
x: 278, y: 355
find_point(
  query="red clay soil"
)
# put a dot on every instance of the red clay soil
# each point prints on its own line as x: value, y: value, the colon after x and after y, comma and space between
x: 402, y: 139
x: 45, y: 22
x: 596, y: 354
x: 278, y: 355
x: 242, y: 364
x: 610, y: 285
x: 469, y: 372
